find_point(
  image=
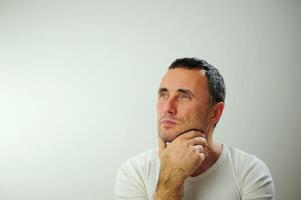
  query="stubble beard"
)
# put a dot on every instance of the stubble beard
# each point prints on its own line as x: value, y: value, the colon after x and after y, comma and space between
x: 166, y: 137
x: 171, y: 134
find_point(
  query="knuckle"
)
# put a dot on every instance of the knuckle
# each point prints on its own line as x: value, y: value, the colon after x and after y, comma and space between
x: 198, y: 140
x: 195, y: 133
x: 194, y: 140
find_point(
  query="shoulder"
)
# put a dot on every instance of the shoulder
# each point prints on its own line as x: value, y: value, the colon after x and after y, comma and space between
x: 142, y: 160
x: 252, y: 173
x: 240, y: 157
x: 244, y: 162
x: 141, y: 165
x: 137, y: 175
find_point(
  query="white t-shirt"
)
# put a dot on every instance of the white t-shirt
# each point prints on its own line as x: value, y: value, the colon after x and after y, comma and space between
x: 236, y: 175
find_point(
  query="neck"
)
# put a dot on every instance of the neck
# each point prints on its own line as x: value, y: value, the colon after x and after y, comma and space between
x: 213, y: 151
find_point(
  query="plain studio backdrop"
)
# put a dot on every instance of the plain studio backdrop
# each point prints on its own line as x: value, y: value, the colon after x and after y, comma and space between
x: 78, y: 85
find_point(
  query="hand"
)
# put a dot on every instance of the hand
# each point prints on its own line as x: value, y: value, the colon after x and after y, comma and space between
x: 180, y: 158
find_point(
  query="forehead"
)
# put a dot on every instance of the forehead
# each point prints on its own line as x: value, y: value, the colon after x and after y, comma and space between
x: 179, y: 78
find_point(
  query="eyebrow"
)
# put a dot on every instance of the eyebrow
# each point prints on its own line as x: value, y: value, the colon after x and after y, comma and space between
x: 183, y: 91
x: 162, y: 90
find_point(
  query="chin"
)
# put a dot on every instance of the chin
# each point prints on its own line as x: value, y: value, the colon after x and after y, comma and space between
x: 167, y: 137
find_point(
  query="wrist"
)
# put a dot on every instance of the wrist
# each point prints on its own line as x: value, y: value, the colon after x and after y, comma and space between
x: 172, y: 177
x: 169, y: 191
x: 170, y: 186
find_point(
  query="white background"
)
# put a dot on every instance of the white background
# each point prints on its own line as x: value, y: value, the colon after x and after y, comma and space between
x: 78, y: 83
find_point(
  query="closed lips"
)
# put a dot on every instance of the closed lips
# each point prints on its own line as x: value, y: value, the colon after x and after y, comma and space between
x: 169, y: 121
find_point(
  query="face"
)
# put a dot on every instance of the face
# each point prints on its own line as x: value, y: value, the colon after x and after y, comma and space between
x: 183, y: 103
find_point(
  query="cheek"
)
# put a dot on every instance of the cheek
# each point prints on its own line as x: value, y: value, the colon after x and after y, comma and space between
x: 203, y: 116
x: 196, y: 114
x: 188, y: 113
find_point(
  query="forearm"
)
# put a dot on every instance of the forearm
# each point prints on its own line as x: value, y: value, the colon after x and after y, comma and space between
x: 178, y: 160
x: 163, y: 192
x: 169, y: 188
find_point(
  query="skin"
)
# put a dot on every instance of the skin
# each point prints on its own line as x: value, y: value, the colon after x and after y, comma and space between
x: 186, y: 123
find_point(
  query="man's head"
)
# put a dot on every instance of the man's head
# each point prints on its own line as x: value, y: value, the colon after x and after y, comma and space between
x: 191, y: 96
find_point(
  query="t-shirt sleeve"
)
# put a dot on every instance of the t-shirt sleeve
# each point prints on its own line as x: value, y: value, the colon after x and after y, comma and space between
x: 129, y: 183
x: 257, y: 183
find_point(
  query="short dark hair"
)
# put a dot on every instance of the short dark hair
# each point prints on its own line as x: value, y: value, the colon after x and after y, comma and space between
x: 217, y: 90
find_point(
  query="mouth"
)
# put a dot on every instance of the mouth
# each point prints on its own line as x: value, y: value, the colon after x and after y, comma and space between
x: 168, y: 123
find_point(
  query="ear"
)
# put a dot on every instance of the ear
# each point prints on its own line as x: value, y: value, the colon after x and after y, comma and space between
x: 217, y: 111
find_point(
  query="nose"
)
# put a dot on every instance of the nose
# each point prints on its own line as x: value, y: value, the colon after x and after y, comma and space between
x: 170, y: 106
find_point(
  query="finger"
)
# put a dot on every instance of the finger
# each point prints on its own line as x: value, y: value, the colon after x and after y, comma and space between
x: 199, y: 141
x: 192, y: 133
x: 162, y: 144
x: 202, y: 155
x: 199, y: 148
x: 206, y: 152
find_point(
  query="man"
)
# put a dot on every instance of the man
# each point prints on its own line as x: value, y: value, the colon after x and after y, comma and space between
x: 188, y: 164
